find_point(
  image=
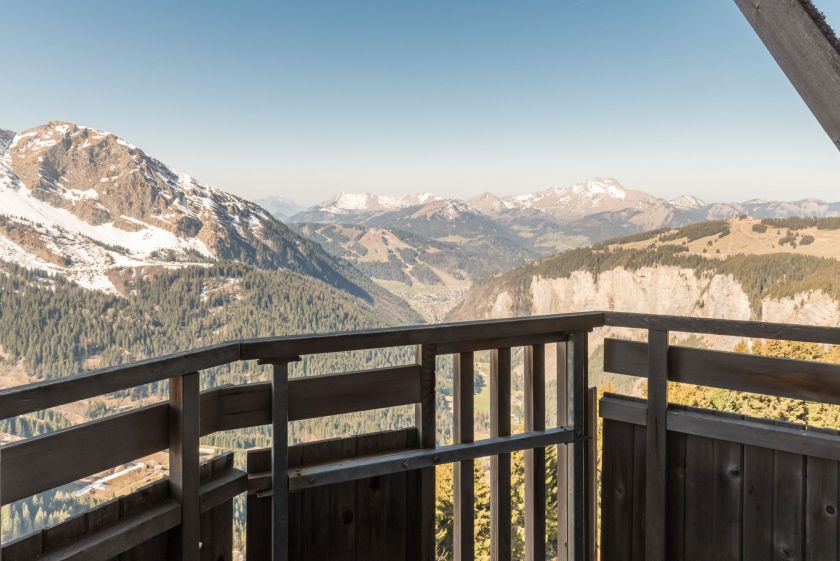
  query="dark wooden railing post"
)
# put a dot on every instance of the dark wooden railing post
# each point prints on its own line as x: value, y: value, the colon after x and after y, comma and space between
x: 280, y: 461
x: 184, y: 430
x: 656, y: 446
x: 1, y: 504
x: 579, y: 366
x: 427, y: 424
x: 500, y: 509
x: 464, y: 476
x: 535, y: 459
x: 592, y: 472
x: 564, y: 477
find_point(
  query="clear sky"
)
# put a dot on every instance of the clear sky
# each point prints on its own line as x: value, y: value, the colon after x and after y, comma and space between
x: 306, y: 98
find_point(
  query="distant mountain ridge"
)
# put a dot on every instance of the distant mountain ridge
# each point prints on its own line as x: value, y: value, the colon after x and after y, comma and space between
x: 510, y: 230
x: 86, y: 204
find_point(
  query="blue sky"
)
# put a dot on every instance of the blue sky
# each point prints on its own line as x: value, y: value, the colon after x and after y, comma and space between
x: 306, y: 98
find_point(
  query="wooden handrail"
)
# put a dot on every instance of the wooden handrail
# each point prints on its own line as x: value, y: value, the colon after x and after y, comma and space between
x: 29, y: 398
x: 727, y: 327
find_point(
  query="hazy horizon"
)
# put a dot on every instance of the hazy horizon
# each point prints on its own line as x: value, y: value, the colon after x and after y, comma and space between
x: 306, y: 100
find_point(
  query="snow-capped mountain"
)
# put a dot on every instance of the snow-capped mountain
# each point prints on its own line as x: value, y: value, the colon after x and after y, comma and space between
x: 86, y: 204
x: 353, y: 207
x: 687, y: 202
x: 582, y: 199
x: 491, y: 204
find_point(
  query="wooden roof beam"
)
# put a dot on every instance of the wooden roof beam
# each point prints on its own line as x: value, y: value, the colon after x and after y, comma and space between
x: 806, y: 49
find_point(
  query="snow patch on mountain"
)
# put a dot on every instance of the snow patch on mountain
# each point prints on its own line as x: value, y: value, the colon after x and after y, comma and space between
x: 687, y: 202
x: 369, y: 202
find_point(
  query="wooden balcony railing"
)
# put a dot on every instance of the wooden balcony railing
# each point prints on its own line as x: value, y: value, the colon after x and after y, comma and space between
x: 176, y: 522
x: 373, y: 496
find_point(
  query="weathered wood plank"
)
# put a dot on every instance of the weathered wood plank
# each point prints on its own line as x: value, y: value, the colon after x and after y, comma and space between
x: 358, y: 468
x: 799, y: 379
x: 535, y: 459
x: 464, y: 477
x: 809, y: 59
x: 656, y: 445
x: 637, y: 523
x: 734, y: 328
x: 675, y: 543
x: 754, y: 432
x: 500, y: 492
x: 381, y: 504
x: 43, y: 395
x: 788, y: 506
x: 564, y: 478
x: 617, y: 491
x: 319, y: 396
x: 425, y: 419
x: 821, y: 503
x: 592, y: 451
x: 728, y: 492
x: 579, y: 362
x: 40, y: 463
x: 249, y: 405
x: 448, y: 333
x: 184, y: 478
x: 758, y: 504
x: 700, y: 495
x: 445, y: 347
x: 280, y: 462
x: 122, y: 536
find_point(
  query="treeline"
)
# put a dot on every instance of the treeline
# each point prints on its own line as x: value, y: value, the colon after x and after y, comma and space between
x: 57, y: 328
x: 773, y: 275
x: 801, y: 223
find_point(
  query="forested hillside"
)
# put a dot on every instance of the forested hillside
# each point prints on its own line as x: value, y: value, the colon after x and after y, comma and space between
x: 760, y: 260
x: 50, y: 328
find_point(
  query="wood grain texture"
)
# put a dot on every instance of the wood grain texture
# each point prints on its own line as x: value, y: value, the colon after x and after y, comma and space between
x: 448, y: 333
x: 579, y: 366
x: 43, y: 395
x: 617, y: 491
x: 464, y: 477
x: 564, y: 478
x: 799, y: 379
x: 426, y: 421
x: 656, y: 445
x: 734, y: 328
x: 184, y: 479
x: 500, y: 491
x: 280, y: 462
x: 535, y: 498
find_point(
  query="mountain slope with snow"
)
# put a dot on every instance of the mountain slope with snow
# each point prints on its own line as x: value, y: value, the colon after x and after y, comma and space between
x: 86, y: 204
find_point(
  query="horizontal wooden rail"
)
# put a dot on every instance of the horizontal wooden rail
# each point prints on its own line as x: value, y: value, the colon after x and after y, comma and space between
x: 52, y: 393
x: 786, y: 437
x: 37, y: 464
x: 733, y: 328
x: 43, y: 395
x: 351, y: 470
x: 44, y: 462
x: 122, y: 536
x: 783, y: 377
x: 444, y: 333
x: 114, y: 527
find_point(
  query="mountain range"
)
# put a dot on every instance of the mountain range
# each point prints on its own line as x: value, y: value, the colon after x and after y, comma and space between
x: 438, y: 241
x: 91, y: 207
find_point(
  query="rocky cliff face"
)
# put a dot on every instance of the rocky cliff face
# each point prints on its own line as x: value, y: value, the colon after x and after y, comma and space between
x: 651, y: 290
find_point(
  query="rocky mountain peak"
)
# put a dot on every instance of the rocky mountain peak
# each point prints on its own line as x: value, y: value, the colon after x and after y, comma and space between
x: 687, y: 202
